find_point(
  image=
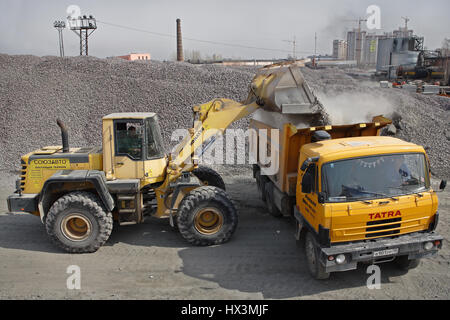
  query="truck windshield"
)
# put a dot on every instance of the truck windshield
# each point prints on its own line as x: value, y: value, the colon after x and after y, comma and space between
x: 375, y: 177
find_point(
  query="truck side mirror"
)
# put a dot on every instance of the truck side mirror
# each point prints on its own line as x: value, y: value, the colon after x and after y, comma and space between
x: 321, y: 197
x: 443, y: 184
x: 307, y: 183
x: 307, y: 162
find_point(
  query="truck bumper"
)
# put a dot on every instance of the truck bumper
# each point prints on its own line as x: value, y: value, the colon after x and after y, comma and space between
x: 380, y: 250
x: 23, y: 203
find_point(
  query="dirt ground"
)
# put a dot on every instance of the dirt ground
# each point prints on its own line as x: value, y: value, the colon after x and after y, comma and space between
x: 152, y: 261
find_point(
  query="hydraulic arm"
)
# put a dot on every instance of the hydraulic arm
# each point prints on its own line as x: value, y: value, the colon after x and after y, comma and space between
x: 276, y: 88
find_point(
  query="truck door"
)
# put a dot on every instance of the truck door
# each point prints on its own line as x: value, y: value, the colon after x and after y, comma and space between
x: 309, y: 195
x: 129, y: 152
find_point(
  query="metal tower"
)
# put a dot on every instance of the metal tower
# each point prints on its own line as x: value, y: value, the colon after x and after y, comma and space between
x: 60, y: 25
x: 83, y: 27
x: 293, y: 42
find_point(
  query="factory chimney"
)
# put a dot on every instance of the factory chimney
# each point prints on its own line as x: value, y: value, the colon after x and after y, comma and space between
x: 179, y: 42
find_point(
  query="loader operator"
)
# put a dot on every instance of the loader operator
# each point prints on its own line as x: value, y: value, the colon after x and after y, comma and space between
x: 130, y: 142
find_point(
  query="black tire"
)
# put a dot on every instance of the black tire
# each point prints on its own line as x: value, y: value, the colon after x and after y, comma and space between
x: 316, y: 269
x: 403, y: 263
x: 270, y: 203
x: 201, y: 201
x: 89, y: 210
x: 209, y: 177
x: 261, y: 183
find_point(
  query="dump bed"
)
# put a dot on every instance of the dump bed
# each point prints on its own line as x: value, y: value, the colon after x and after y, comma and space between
x: 290, y: 140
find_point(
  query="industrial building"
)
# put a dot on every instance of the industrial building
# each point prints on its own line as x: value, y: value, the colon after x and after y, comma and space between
x: 136, y: 56
x: 340, y: 49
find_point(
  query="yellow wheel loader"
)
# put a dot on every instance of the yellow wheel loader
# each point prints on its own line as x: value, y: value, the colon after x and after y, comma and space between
x: 79, y: 192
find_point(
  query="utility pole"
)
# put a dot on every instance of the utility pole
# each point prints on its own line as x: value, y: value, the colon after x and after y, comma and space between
x: 315, y: 49
x: 60, y: 25
x: 83, y: 27
x: 406, y: 23
x: 293, y: 42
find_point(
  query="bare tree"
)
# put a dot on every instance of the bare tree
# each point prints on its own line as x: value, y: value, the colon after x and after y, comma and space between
x: 193, y: 56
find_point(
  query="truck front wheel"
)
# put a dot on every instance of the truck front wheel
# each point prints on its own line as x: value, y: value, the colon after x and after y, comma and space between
x: 316, y: 269
x: 404, y: 263
x: 206, y: 216
x: 78, y: 222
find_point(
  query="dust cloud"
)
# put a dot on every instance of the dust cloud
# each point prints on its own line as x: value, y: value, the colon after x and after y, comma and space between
x: 354, y: 107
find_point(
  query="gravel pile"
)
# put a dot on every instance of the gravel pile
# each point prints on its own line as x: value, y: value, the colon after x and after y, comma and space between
x: 34, y: 91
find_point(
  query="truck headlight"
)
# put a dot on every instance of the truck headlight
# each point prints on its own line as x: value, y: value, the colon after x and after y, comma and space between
x: 340, y: 258
x: 428, y: 245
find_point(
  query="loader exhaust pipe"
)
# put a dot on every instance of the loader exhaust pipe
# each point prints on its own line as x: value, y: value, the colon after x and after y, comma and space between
x: 64, y: 135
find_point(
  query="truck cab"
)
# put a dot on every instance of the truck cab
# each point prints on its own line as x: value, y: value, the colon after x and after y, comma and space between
x: 365, y: 199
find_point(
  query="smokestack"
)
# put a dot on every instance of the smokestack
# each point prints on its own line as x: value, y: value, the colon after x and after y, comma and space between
x: 64, y: 135
x: 179, y: 42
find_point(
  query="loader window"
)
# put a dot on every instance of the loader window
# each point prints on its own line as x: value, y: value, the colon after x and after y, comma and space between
x: 154, y: 141
x: 128, y: 138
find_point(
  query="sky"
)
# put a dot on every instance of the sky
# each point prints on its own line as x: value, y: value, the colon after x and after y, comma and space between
x: 247, y: 27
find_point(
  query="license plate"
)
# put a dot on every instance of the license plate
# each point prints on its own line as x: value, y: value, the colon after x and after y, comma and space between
x: 385, y: 252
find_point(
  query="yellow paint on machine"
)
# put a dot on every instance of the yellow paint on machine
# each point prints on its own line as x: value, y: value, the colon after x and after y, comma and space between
x: 35, y: 172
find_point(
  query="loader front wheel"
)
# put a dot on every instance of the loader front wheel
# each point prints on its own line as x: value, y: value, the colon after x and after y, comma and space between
x: 206, y: 216
x: 209, y: 177
x: 78, y: 222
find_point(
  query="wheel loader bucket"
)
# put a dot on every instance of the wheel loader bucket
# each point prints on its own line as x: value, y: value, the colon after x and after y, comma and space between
x: 282, y: 88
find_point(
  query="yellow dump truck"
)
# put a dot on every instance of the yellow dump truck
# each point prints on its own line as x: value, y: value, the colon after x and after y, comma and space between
x: 356, y: 196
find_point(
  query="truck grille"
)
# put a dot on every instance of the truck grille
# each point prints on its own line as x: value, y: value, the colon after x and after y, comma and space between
x: 384, y: 229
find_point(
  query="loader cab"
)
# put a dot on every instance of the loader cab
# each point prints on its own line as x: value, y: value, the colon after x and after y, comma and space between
x: 133, y: 147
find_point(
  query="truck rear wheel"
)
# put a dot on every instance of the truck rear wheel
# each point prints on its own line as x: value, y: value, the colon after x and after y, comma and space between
x: 206, y: 216
x: 404, y: 263
x: 316, y: 269
x: 209, y: 177
x: 78, y: 222
x: 270, y: 202
x: 261, y: 184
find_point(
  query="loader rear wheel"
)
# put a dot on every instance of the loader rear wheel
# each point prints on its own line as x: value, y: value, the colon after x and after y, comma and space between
x: 207, y: 216
x: 209, y: 177
x: 78, y: 222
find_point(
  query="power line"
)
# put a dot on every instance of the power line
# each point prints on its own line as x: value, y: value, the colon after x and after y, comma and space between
x: 197, y: 40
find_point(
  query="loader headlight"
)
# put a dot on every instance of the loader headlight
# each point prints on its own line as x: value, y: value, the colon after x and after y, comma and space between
x: 428, y: 245
x: 340, y: 258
